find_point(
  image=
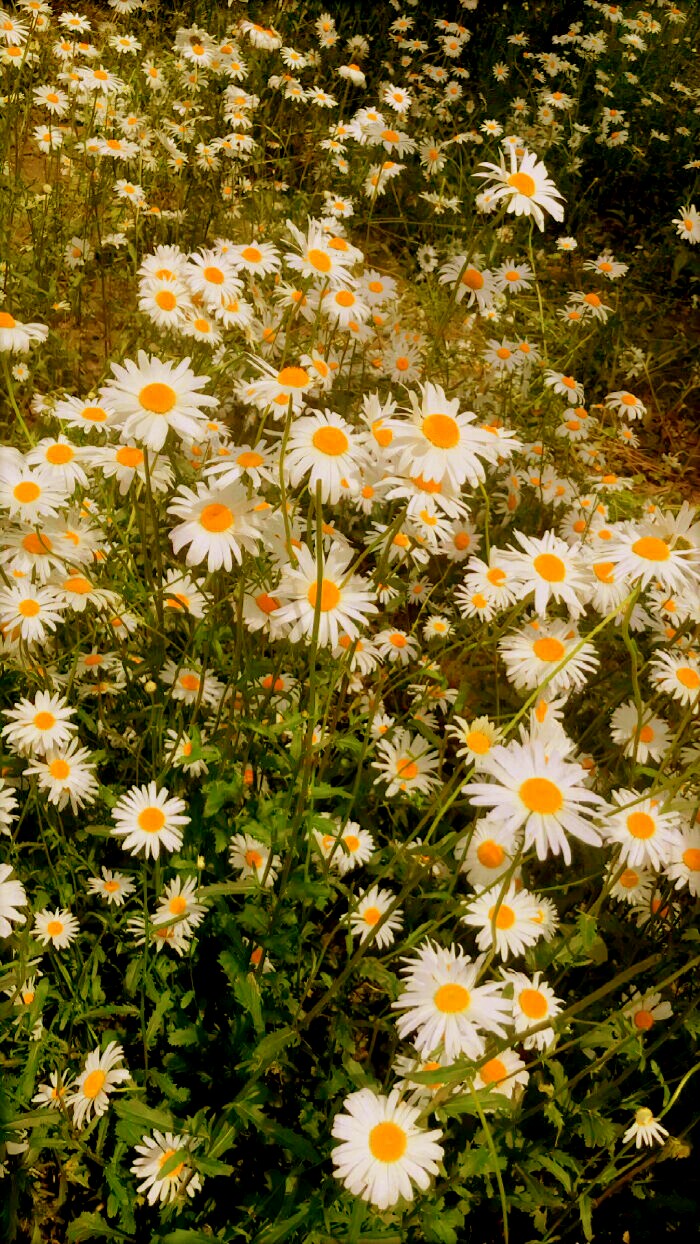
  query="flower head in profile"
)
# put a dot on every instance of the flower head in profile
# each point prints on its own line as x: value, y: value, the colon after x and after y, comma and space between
x: 646, y: 1130
x: 525, y: 186
x: 12, y: 897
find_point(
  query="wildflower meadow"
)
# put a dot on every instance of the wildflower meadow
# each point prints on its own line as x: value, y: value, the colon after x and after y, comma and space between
x: 349, y: 622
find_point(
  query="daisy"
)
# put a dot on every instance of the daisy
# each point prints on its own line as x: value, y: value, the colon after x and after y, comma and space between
x: 113, y: 887
x: 396, y: 646
x: 179, y: 905
x: 155, y: 1152
x: 8, y: 807
x: 533, y: 1002
x: 488, y: 587
x: 526, y: 186
x: 647, y: 834
x: 190, y: 685
x: 626, y: 404
x: 57, y: 928
x: 445, y: 1007
x: 383, y: 1151
x: 85, y: 414
x: 53, y: 1095
x: 279, y: 388
x: 219, y: 524
x: 253, y: 859
x: 166, y: 303
x: 440, y: 443
x: 551, y: 568
x: 406, y: 764
x: 676, y: 675
x: 634, y: 885
x: 257, y: 258
x: 340, y: 601
x: 181, y: 594
x: 472, y: 282
x: 504, y: 921
x: 26, y: 493
x: 347, y: 850
x: 503, y: 1074
x: 150, y: 396
x: 644, y: 1010
x: 487, y: 853
x: 66, y: 774
x: 648, y: 555
x: 29, y: 611
x: 476, y: 737
x: 687, y: 224
x: 40, y: 725
x: 324, y: 447
x: 645, y: 1130
x: 372, y: 907
x: 90, y: 1094
x: 146, y: 819
x: 19, y: 337
x: 564, y: 386
x: 642, y: 738
x: 12, y: 897
x: 683, y: 865
x: 535, y: 789
x: 532, y: 654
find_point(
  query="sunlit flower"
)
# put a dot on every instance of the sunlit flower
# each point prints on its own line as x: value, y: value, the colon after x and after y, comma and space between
x: 383, y: 1151
x: 146, y: 820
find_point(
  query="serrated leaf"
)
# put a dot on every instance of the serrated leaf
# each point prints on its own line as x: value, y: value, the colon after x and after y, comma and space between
x: 134, y: 1111
x: 90, y: 1226
x: 585, y: 1209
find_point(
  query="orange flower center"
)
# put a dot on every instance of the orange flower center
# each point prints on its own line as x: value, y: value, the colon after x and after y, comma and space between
x: 319, y: 260
x: 157, y: 397
x: 330, y: 440
x: 523, y: 183
x: 26, y: 491
x: 548, y: 649
x: 406, y: 768
x: 651, y: 549
x: 387, y: 1142
x: 550, y: 567
x: 451, y: 999
x: 542, y: 796
x: 44, y: 721
x: 441, y: 430
x: 490, y: 854
x: 59, y: 769
x: 505, y: 916
x: 216, y: 517
x: 641, y: 825
x: 494, y: 1071
x: 643, y: 1020
x: 93, y: 1083
x: 151, y: 820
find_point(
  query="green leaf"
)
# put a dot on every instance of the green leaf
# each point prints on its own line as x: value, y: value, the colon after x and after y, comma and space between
x: 585, y: 1209
x: 134, y: 1111
x: 209, y: 1166
x: 155, y: 1023
x: 184, y: 1235
x: 92, y: 1227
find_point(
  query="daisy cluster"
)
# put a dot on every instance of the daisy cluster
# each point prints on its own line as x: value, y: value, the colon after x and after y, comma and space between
x: 338, y: 633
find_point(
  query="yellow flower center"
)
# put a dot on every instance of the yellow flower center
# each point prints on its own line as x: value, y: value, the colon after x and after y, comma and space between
x: 387, y: 1142
x: 59, y: 769
x: 319, y: 260
x: 29, y: 608
x: 451, y: 999
x: 641, y: 825
x: 372, y: 916
x: 688, y: 677
x: 26, y: 491
x: 166, y: 300
x: 177, y: 905
x: 523, y: 183
x: 494, y: 1071
x: 540, y: 795
x: 441, y: 430
x: 158, y: 398
x: 129, y: 456
x: 54, y: 928
x: 93, y: 1083
x: 651, y: 549
x: 548, y: 649
x: 151, y: 820
x: 406, y: 768
x: 330, y: 595
x: 643, y: 1020
x: 490, y: 854
x: 550, y: 567
x: 330, y: 440
x: 473, y: 279
x: 253, y: 859
x: 505, y: 916
x: 533, y: 1003
x: 44, y: 721
x: 216, y: 517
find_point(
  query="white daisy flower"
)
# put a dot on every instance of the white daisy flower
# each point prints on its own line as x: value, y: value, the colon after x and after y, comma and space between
x: 645, y: 1130
x: 533, y: 1002
x: 445, y: 1007
x: 113, y: 887
x: 683, y: 865
x: 536, y: 789
x: 179, y: 905
x: 219, y: 524
x: 57, y: 928
x: 146, y: 820
x: 646, y: 833
x: 383, y: 1151
x: 90, y: 1094
x: 158, y: 1151
x: 506, y: 922
x: 66, y: 774
x: 253, y: 859
x: 12, y: 897
x: 150, y: 397
x: 40, y: 725
x: 371, y: 908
